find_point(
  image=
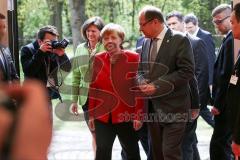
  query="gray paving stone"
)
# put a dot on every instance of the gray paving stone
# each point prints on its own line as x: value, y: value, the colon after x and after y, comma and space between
x: 75, y: 144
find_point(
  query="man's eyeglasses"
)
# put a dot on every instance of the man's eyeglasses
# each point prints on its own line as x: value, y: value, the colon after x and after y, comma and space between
x: 219, y: 21
x: 142, y: 25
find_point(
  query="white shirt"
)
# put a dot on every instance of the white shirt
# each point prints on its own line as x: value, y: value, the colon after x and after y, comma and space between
x: 161, y: 36
x: 195, y: 33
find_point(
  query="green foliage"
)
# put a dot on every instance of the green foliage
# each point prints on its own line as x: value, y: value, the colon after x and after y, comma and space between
x: 123, y: 12
x: 32, y: 15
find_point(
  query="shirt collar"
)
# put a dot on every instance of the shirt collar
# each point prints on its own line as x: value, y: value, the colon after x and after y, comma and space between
x: 162, y: 34
x: 195, y: 33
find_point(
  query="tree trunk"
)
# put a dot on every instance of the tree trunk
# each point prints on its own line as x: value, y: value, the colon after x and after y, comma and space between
x: 111, y: 13
x: 133, y: 15
x: 56, y: 18
x: 78, y: 16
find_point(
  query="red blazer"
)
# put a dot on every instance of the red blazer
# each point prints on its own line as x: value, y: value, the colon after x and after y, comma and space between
x: 111, y: 94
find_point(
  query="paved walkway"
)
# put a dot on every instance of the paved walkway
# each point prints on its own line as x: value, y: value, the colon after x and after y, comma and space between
x: 72, y: 141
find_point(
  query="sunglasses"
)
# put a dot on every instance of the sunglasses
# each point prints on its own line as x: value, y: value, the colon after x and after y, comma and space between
x: 219, y: 21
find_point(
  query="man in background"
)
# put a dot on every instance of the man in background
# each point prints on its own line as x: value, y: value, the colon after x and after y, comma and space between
x: 233, y: 100
x: 189, y: 147
x: 7, y: 67
x: 220, y: 148
x: 192, y: 27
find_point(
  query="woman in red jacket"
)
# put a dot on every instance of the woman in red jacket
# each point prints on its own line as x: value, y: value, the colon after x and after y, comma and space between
x: 114, y: 107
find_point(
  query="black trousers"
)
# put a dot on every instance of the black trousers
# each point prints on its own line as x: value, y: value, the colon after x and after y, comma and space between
x: 144, y: 138
x: 189, y: 144
x: 166, y: 140
x: 220, y: 144
x: 233, y: 102
x: 106, y: 134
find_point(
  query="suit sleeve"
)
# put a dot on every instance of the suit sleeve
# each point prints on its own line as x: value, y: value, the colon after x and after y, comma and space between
x: 236, y: 131
x: 139, y: 102
x: 76, y: 77
x: 194, y: 93
x: 93, y: 88
x: 211, y: 56
x: 32, y: 63
x: 65, y: 63
x: 201, y: 70
x: 13, y: 72
x: 223, y: 77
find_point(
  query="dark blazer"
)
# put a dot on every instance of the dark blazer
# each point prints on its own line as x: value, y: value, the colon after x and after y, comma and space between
x: 35, y: 62
x: 208, y: 40
x: 222, y: 72
x: 234, y: 105
x: 201, y: 67
x: 7, y: 70
x: 171, y: 72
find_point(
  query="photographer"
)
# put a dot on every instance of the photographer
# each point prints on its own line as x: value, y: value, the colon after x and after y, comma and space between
x: 43, y: 59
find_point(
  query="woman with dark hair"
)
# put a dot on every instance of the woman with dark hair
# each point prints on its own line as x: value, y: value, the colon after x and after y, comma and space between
x: 82, y: 66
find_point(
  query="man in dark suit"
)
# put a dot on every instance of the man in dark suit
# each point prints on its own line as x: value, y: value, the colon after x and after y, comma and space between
x: 233, y: 100
x: 7, y: 67
x: 143, y: 131
x: 166, y: 67
x: 220, y: 148
x: 175, y: 22
x: 42, y: 62
x: 192, y: 27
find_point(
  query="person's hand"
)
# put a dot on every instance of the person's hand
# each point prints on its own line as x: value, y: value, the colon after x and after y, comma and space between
x: 194, y: 113
x: 74, y: 109
x: 148, y: 89
x: 137, y: 125
x: 215, y: 111
x: 91, y: 124
x: 33, y: 121
x: 45, y: 46
x: 59, y: 51
x: 236, y: 149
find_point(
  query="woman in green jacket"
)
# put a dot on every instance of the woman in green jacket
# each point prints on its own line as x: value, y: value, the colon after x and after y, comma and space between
x: 82, y: 66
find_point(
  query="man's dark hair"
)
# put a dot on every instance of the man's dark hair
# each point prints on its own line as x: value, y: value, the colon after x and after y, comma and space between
x: 47, y: 29
x: 236, y: 10
x: 191, y: 18
x: 222, y: 8
x: 177, y: 14
x: 151, y: 12
x: 96, y: 21
x: 2, y: 16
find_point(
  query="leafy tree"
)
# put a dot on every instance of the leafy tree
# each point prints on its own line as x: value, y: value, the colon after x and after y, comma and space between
x: 31, y: 18
x: 56, y: 6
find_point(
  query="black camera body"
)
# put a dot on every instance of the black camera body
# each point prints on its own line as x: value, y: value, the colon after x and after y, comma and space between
x: 60, y: 44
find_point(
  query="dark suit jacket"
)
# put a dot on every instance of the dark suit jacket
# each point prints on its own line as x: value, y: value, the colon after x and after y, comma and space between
x: 236, y: 130
x: 208, y: 40
x: 35, y: 62
x: 201, y: 68
x: 9, y: 73
x: 171, y: 72
x: 222, y: 72
x: 233, y: 104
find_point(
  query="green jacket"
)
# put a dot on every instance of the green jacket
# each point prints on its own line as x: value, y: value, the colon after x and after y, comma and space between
x: 81, y: 73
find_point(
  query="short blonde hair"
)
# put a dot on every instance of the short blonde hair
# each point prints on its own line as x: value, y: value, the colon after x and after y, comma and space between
x: 113, y: 28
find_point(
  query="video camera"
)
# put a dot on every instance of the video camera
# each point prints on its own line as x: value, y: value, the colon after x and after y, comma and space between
x: 60, y: 44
